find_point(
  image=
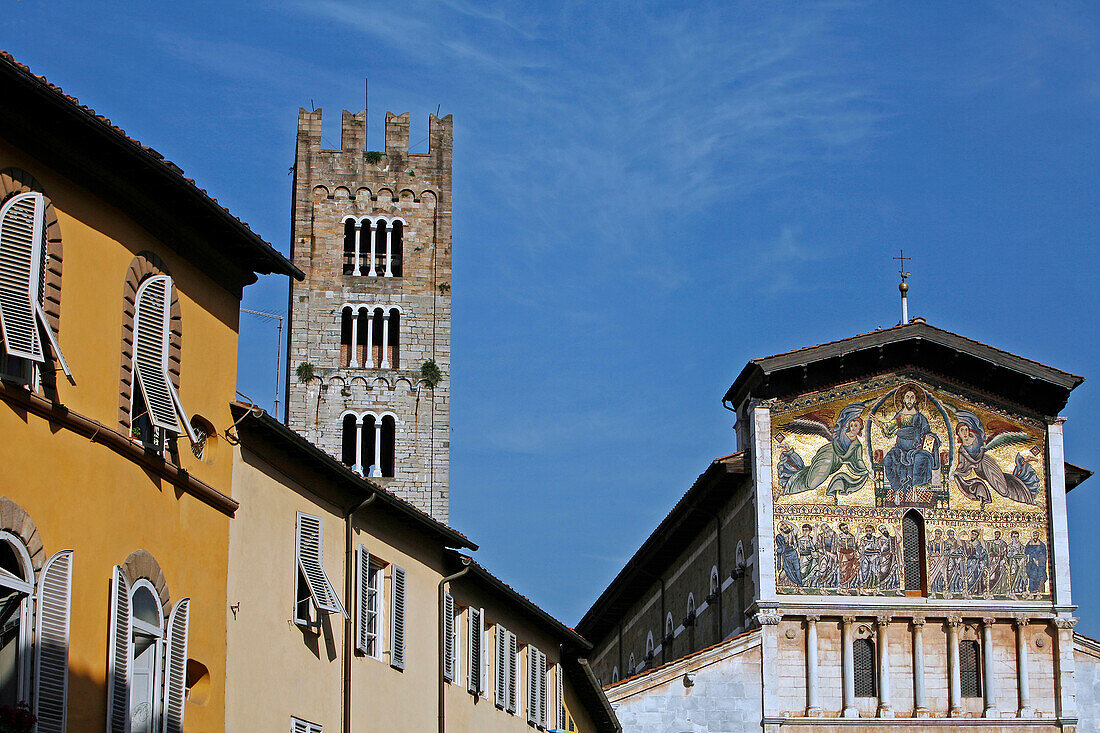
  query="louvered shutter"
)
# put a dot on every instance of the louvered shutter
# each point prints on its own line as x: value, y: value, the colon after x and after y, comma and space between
x: 51, y: 648
x: 501, y: 667
x: 118, y: 656
x: 152, y: 314
x: 448, y: 637
x: 483, y: 657
x: 175, y: 667
x: 363, y: 612
x: 21, y: 256
x: 542, y: 689
x: 513, y: 672
x: 309, y: 532
x: 559, y: 699
x: 397, y: 637
x: 299, y: 726
x: 474, y: 677
x: 532, y: 684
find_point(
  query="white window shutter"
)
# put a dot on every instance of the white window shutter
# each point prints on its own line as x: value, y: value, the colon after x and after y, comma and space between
x: 308, y: 548
x: 532, y: 684
x: 21, y: 257
x: 483, y: 657
x: 501, y: 666
x: 559, y: 698
x: 51, y: 648
x: 448, y: 637
x: 175, y: 667
x: 118, y: 656
x: 473, y: 677
x: 513, y: 672
x: 397, y: 634
x: 152, y: 313
x: 362, y: 589
x: 542, y: 690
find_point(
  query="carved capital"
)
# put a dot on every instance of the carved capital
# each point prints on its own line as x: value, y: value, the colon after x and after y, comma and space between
x: 769, y: 618
x: 812, y: 618
x: 848, y: 620
x: 883, y: 619
x: 1064, y: 622
x: 988, y: 620
x: 1021, y: 620
x: 954, y: 621
x: 918, y: 621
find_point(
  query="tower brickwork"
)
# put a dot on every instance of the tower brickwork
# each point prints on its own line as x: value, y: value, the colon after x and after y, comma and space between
x: 372, y: 233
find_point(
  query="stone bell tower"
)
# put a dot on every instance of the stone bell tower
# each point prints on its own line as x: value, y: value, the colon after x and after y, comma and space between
x: 369, y: 345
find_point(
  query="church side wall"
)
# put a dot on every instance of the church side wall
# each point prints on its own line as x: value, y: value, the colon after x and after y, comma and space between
x: 1087, y: 660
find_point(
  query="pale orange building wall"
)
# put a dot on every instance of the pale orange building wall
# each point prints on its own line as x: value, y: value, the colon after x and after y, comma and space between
x: 86, y: 497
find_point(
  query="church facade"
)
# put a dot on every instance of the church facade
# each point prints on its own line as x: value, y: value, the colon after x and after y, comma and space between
x: 888, y: 548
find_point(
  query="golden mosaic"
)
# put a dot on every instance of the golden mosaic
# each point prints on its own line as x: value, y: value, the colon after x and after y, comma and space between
x: 894, y: 486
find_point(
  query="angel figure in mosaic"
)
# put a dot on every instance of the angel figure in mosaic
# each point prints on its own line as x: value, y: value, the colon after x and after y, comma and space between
x: 839, y: 461
x: 976, y: 471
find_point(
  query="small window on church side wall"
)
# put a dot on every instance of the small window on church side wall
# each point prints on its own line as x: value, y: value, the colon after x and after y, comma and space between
x: 912, y: 530
x: 863, y: 653
x: 970, y: 675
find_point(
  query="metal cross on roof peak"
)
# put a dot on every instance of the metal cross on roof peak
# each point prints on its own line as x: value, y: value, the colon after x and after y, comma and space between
x: 904, y: 286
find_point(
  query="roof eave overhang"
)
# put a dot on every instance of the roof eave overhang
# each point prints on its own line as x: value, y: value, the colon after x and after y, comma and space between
x: 1041, y: 389
x: 52, y: 128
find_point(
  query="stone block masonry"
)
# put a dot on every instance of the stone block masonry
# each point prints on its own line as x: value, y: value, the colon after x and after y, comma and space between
x: 329, y: 187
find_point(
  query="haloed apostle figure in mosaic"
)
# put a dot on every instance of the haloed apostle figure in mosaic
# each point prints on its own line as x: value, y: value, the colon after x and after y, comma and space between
x: 840, y: 461
x: 847, y: 556
x: 915, y: 454
x: 828, y: 562
x: 977, y: 471
x: 786, y: 555
x: 937, y: 563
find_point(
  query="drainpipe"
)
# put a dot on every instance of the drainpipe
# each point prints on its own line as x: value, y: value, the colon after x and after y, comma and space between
x: 442, y: 642
x: 349, y: 595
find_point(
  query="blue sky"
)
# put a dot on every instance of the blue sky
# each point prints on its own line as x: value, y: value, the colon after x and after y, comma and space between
x: 646, y: 196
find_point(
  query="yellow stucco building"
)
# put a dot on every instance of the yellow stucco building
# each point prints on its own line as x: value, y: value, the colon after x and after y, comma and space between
x: 120, y: 273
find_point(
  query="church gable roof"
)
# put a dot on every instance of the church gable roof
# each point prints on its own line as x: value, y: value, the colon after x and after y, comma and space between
x: 1031, y: 384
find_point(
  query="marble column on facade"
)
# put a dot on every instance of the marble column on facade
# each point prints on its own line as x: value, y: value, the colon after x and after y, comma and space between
x: 885, y: 709
x: 385, y: 339
x: 813, y: 702
x: 989, y: 677
x: 1065, y: 685
x: 353, y: 359
x: 1023, y: 684
x: 848, y: 669
x: 368, y: 357
x: 954, y: 676
x: 920, y: 696
x: 358, y: 467
x: 373, y: 272
x: 376, y: 469
x: 355, y: 263
x: 769, y: 659
x: 389, y: 255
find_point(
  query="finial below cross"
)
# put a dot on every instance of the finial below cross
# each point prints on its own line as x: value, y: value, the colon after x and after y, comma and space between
x: 904, y: 286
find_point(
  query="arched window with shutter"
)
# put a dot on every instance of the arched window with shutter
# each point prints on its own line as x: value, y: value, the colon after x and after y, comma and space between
x: 23, y: 319
x: 51, y: 643
x: 970, y: 668
x: 863, y: 656
x: 912, y: 533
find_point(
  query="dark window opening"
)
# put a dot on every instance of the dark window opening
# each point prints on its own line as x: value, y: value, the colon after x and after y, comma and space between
x: 389, y: 445
x: 970, y: 668
x: 347, y: 321
x: 368, y: 446
x: 376, y: 338
x: 395, y: 339
x: 347, y: 442
x: 912, y: 530
x: 379, y: 248
x: 349, y: 246
x: 141, y: 426
x: 866, y: 682
x: 397, y: 236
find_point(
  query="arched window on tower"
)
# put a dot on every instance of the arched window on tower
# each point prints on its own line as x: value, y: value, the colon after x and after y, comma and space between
x: 389, y: 445
x: 397, y: 244
x: 347, y: 323
x: 376, y: 335
x: 395, y: 339
x: 16, y: 589
x: 912, y: 532
x: 368, y: 446
x: 863, y: 656
x: 970, y: 668
x: 350, y: 250
x: 348, y: 435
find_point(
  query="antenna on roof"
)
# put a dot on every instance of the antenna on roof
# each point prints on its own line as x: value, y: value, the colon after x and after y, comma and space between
x: 904, y: 286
